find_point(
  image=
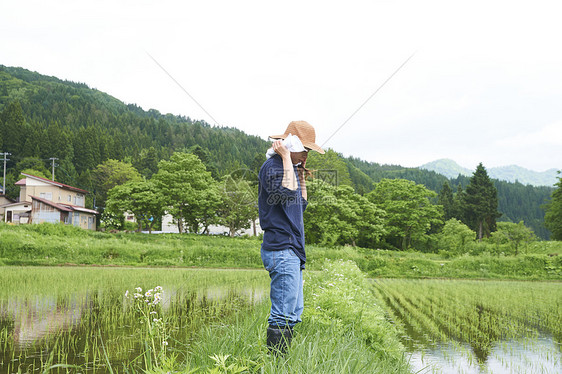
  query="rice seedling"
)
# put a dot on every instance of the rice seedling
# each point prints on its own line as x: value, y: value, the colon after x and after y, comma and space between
x: 485, y: 325
x: 61, y: 319
x: 118, y: 320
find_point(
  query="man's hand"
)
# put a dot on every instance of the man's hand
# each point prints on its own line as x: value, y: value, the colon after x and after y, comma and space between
x: 280, y: 149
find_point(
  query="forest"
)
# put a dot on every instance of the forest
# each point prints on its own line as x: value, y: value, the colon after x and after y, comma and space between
x: 43, y: 117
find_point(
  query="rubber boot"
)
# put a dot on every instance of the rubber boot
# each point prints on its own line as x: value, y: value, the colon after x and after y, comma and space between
x: 279, y: 339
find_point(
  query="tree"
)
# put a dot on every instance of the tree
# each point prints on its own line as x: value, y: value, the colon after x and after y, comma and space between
x: 190, y: 193
x: 141, y: 198
x: 409, y: 212
x: 338, y: 216
x: 30, y: 165
x: 109, y: 174
x: 13, y: 128
x: 147, y: 162
x: 329, y: 167
x: 457, y: 210
x: 481, y: 203
x: 515, y: 234
x: 365, y: 221
x: 454, y: 236
x: 238, y: 208
x: 553, y: 216
x: 445, y: 199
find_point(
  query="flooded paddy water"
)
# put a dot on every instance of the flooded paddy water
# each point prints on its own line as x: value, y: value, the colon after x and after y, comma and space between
x: 464, y: 326
x: 84, y: 320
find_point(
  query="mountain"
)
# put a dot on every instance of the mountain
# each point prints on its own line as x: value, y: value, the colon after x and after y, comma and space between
x: 43, y: 117
x: 514, y: 173
x: 511, y: 173
x: 446, y: 167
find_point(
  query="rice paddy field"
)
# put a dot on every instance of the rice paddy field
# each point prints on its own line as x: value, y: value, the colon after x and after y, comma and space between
x: 469, y: 326
x: 160, y: 320
x: 155, y: 320
x: 106, y: 319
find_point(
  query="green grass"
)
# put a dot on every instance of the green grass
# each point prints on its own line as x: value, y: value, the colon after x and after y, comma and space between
x: 343, y: 331
x: 318, y: 347
x: 48, y: 244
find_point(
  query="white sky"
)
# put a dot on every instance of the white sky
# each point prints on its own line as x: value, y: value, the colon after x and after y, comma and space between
x: 485, y: 84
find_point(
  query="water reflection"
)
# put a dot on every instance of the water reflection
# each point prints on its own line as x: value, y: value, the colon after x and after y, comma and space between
x: 539, y: 355
x: 33, y: 319
x: 75, y: 327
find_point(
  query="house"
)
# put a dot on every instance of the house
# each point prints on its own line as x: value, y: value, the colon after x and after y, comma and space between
x: 170, y: 226
x: 44, y: 200
x: 4, y: 200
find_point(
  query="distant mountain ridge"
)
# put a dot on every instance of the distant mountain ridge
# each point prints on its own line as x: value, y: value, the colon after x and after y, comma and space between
x: 510, y: 173
x: 82, y: 127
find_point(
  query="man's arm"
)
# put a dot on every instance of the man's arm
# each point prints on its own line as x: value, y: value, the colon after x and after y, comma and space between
x: 289, y: 178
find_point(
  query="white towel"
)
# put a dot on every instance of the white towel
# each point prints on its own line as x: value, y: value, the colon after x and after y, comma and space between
x: 293, y: 144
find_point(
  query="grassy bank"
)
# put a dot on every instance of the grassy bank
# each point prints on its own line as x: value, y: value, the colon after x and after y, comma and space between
x: 342, y: 332
x: 49, y: 245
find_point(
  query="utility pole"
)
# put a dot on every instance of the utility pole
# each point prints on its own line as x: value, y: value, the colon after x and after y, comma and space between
x: 4, y: 183
x: 53, y: 163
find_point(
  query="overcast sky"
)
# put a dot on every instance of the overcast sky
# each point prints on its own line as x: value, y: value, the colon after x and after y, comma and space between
x: 484, y: 84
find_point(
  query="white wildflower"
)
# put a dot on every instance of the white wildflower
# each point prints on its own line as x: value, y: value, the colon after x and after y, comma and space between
x: 127, y: 294
x: 164, y: 343
x: 138, y: 289
x: 158, y: 289
x: 153, y: 312
x: 137, y: 295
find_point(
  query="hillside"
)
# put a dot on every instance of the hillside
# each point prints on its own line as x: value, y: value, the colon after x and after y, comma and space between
x: 446, y: 167
x: 44, y: 117
x: 511, y: 173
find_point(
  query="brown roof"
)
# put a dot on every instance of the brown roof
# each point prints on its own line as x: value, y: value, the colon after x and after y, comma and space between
x: 62, y: 185
x: 64, y: 207
x: 50, y: 203
x: 17, y: 203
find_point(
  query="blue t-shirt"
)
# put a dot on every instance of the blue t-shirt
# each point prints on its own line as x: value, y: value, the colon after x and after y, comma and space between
x: 281, y: 210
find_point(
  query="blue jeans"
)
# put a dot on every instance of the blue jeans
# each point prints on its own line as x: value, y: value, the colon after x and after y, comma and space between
x: 287, y: 302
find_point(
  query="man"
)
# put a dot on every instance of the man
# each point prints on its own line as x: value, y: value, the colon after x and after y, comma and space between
x: 282, y: 201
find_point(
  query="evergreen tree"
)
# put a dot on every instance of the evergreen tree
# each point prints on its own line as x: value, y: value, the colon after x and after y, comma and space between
x: 481, y: 203
x: 13, y: 128
x: 458, y: 204
x: 147, y: 162
x: 445, y: 199
x: 553, y: 216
